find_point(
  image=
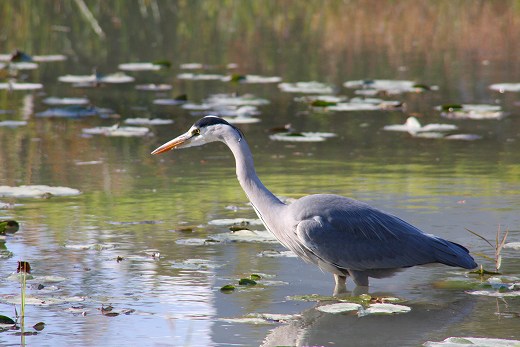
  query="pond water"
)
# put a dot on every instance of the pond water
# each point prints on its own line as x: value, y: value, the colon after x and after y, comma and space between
x: 143, y: 235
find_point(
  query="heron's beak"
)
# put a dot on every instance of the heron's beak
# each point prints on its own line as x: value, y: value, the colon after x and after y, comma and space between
x: 176, y: 142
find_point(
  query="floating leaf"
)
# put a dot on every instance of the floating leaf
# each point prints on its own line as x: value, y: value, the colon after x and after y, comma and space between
x: 228, y: 288
x: 20, y: 86
x: 247, y: 282
x: 389, y: 86
x: 39, y: 326
x: 65, y: 101
x: 117, y: 131
x: 471, y: 111
x: 384, y: 309
x: 255, y: 277
x: 413, y: 126
x: 148, y: 121
x: 9, y: 226
x: 302, y: 136
x: 339, y: 307
x: 245, y: 236
x: 139, y: 66
x: 153, y: 87
x: 36, y: 191
x: 505, y: 87
x: 312, y: 87
x: 322, y: 103
x: 6, y: 320
x: 472, y: 341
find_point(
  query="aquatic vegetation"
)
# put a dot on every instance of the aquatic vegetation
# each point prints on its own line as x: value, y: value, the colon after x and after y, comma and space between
x: 235, y: 221
x: 153, y: 87
x: 235, y: 100
x: 148, y: 121
x: 65, y: 101
x: 366, y: 104
x: 302, y: 136
x: 413, y: 126
x: 200, y: 77
x: 94, y: 79
x: 471, y: 111
x: 75, y: 111
x: 242, y: 120
x: 20, y: 86
x: 390, y: 87
x: 12, y: 123
x: 116, y: 130
x: 140, y: 66
x: 472, y: 341
x: 312, y: 87
x: 497, y: 247
x: 36, y: 191
x: 262, y: 236
x: 179, y: 100
x: 505, y: 87
x: 252, y: 79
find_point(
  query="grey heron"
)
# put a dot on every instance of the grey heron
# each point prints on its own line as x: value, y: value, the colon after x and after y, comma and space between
x: 340, y: 235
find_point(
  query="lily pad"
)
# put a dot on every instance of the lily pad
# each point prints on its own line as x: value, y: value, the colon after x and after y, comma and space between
x: 246, y: 236
x: 139, y: 67
x: 252, y: 79
x: 505, y: 87
x: 153, y: 87
x: 366, y: 104
x: 246, y: 282
x: 312, y: 87
x: 200, y: 77
x: 473, y: 341
x: 115, y: 78
x: 389, y: 86
x: 228, y: 288
x: 471, y: 111
x: 384, y: 309
x: 75, y: 111
x: 263, y: 318
x: 413, y: 126
x: 36, y: 191
x: 12, y: 123
x: 276, y: 254
x: 242, y: 120
x: 49, y: 58
x: 513, y: 245
x: 65, y: 101
x: 20, y: 86
x: 302, y: 137
x: 463, y: 137
x: 6, y: 320
x: 235, y: 221
x: 116, y: 130
x: 195, y: 264
x: 148, y: 121
x: 340, y: 307
x: 38, y: 300
x: 235, y: 100
x: 179, y: 100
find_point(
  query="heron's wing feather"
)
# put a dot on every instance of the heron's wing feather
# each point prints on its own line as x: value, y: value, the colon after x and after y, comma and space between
x: 362, y: 239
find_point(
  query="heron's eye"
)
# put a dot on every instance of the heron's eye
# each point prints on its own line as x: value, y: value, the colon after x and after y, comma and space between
x: 195, y: 132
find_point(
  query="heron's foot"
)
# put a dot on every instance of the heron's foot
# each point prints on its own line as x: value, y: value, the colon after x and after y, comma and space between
x: 341, y: 286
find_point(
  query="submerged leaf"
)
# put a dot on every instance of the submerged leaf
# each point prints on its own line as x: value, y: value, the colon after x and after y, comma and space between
x: 6, y: 320
x: 228, y: 288
x: 246, y: 282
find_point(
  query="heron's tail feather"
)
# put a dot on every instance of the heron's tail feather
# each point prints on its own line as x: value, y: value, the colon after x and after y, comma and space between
x: 453, y: 254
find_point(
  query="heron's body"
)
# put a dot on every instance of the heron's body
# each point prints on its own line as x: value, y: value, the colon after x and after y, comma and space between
x: 343, y: 236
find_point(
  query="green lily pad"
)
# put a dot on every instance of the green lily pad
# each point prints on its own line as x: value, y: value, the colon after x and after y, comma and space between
x: 6, y: 320
x: 472, y: 341
x: 247, y: 282
x: 255, y: 277
x: 228, y: 288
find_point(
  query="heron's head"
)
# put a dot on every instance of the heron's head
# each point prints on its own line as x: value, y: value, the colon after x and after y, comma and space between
x: 205, y: 130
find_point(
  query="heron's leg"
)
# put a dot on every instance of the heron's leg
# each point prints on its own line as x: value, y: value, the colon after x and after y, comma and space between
x: 341, y: 286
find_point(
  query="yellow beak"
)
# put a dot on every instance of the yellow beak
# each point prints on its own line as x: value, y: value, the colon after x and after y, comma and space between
x: 176, y: 142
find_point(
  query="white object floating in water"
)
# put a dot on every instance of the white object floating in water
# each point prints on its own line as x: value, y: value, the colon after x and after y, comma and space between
x: 235, y: 100
x: 463, y: 137
x: 148, y: 121
x: 252, y: 79
x: 276, y: 254
x: 12, y: 123
x: 36, y: 191
x: 116, y: 130
x: 169, y: 102
x: 245, y: 236
x: 23, y: 65
x: 49, y: 58
x: 236, y: 111
x: 312, y: 87
x: 339, y: 307
x: 325, y: 98
x: 65, y: 101
x: 301, y: 137
x: 471, y: 111
x: 39, y: 300
x: 366, y: 104
x: 384, y: 309
x: 496, y: 294
x: 235, y: 221
x: 153, y: 87
x: 115, y: 78
x: 473, y: 341
x: 387, y: 86
x: 20, y: 86
x: 505, y: 87
x: 242, y: 120
x: 513, y: 245
x: 413, y: 126
x: 200, y: 77
x: 139, y: 67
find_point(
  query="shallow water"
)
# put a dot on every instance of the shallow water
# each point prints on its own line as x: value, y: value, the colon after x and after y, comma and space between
x: 155, y: 211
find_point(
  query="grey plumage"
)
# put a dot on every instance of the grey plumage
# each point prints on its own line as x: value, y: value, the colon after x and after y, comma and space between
x: 343, y: 236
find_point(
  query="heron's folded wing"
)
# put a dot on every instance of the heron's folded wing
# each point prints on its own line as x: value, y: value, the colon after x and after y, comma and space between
x: 367, y: 239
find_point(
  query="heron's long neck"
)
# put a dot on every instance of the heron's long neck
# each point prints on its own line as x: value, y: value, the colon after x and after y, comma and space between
x: 264, y: 202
